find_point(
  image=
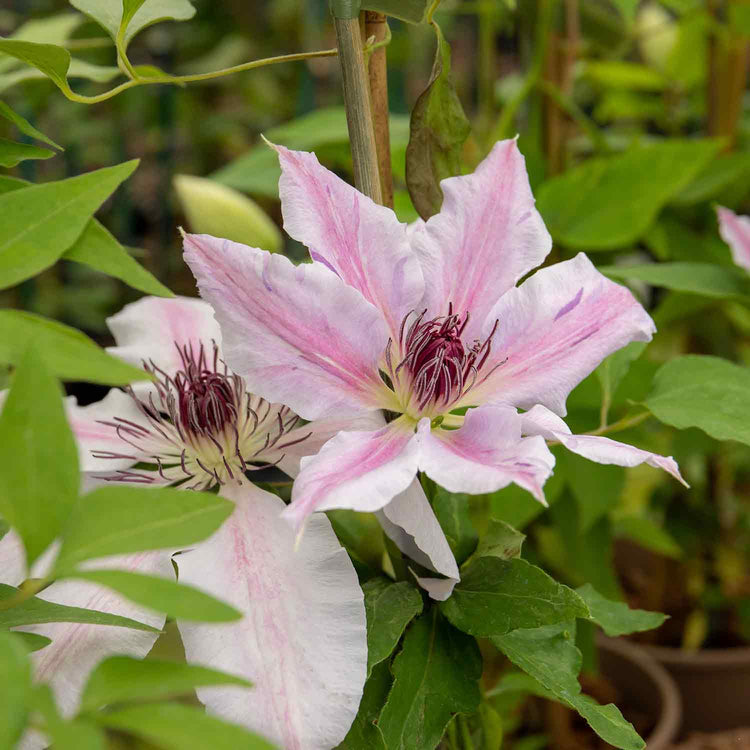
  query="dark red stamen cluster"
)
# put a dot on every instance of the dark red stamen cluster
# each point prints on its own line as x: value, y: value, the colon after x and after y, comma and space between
x: 441, y: 368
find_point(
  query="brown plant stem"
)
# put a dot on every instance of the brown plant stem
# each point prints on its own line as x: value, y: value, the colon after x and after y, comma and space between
x: 358, y: 107
x: 376, y: 25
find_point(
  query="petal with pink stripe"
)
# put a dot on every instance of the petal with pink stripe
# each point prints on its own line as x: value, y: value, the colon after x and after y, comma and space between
x: 364, y: 243
x: 302, y: 639
x: 487, y: 235
x: 735, y: 231
x: 553, y: 331
x: 297, y: 334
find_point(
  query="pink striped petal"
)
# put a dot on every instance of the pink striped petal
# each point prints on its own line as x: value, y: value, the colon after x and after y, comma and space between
x: 297, y: 334
x: 364, y: 243
x: 486, y: 454
x: 541, y: 421
x: 151, y: 328
x: 487, y: 235
x: 302, y: 640
x: 12, y: 560
x: 359, y: 470
x: 411, y: 523
x: 735, y: 231
x: 76, y: 648
x: 554, y: 330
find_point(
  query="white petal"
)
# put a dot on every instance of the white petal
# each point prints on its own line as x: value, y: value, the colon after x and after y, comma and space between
x: 302, y: 640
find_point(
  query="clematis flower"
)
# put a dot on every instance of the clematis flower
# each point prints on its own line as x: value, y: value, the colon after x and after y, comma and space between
x: 302, y: 638
x: 735, y: 231
x: 424, y: 326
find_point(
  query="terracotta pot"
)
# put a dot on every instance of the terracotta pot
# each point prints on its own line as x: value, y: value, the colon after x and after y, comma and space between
x: 644, y: 685
x: 714, y: 684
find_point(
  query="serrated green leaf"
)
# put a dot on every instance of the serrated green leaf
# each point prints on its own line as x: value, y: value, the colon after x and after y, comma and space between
x: 15, y: 689
x: 436, y: 675
x: 584, y: 207
x: 42, y: 221
x: 53, y: 61
x: 36, y: 611
x: 212, y: 208
x: 25, y: 126
x: 452, y: 512
x: 705, y: 392
x: 496, y: 596
x: 500, y: 540
x: 364, y: 733
x: 39, y: 476
x: 123, y: 678
x: 175, y: 727
x: 390, y: 607
x: 118, y: 520
x: 174, y: 599
x: 550, y: 656
x: 706, y: 279
x: 66, y: 352
x: 437, y: 133
x: 616, y: 618
x: 12, y: 153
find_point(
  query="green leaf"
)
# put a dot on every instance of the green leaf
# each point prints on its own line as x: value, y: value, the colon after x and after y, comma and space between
x: 500, y: 540
x: 109, y: 13
x: 452, y: 511
x: 495, y: 596
x: 390, y: 607
x: 118, y: 520
x: 584, y: 208
x: 648, y: 534
x: 55, y: 29
x: 595, y: 487
x: 620, y: 74
x: 33, y: 642
x: 212, y: 208
x: 614, y: 368
x: 25, y: 126
x: 438, y: 130
x: 50, y: 59
x: 123, y: 678
x: 175, y: 727
x: 65, y: 351
x: 76, y: 734
x: 12, y: 153
x: 721, y: 173
x: 97, y: 248
x: 616, y: 618
x: 175, y: 599
x: 15, y: 689
x: 436, y: 675
x: 78, y: 69
x: 36, y: 611
x: 550, y: 656
x: 706, y: 392
x: 42, y: 221
x: 411, y: 11
x: 364, y: 733
x: 39, y: 476
x: 706, y: 279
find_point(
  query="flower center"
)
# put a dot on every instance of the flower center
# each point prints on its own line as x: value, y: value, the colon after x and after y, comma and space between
x: 201, y: 425
x: 436, y: 365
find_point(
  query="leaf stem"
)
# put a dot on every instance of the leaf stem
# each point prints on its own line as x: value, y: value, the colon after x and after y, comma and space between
x: 623, y: 424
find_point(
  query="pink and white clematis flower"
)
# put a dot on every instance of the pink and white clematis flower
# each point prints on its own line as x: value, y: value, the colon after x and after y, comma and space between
x: 423, y: 326
x: 302, y: 639
x: 735, y: 231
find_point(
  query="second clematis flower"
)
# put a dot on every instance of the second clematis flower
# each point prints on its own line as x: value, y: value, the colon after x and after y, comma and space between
x: 735, y: 231
x: 424, y: 329
x: 302, y: 638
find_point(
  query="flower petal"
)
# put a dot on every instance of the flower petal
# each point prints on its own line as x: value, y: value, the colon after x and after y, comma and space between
x: 364, y: 243
x: 486, y: 454
x: 735, y: 231
x: 302, y: 640
x: 298, y: 335
x: 150, y: 330
x: 359, y: 470
x: 541, y: 421
x: 554, y: 330
x: 12, y: 559
x: 487, y: 235
x: 412, y: 525
x: 76, y: 648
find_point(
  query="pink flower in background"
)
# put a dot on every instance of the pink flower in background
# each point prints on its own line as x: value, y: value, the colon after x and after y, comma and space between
x: 302, y: 638
x: 735, y: 231
x: 422, y: 329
